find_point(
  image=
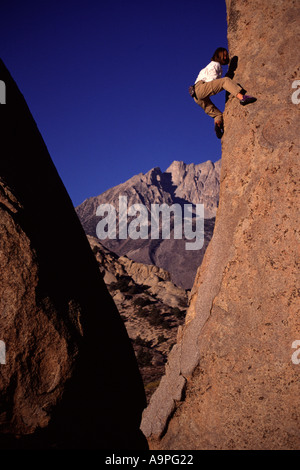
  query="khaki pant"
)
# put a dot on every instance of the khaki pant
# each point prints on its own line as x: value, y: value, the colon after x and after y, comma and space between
x: 206, y: 89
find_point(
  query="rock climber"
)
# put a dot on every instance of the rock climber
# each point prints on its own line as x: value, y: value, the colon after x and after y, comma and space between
x: 209, y: 82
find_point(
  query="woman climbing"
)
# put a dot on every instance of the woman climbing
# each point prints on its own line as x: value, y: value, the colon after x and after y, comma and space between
x: 209, y: 82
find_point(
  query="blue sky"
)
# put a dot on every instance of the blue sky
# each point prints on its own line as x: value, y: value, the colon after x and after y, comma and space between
x: 107, y: 83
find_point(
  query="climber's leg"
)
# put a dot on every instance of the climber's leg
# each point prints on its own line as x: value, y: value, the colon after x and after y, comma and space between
x: 209, y: 108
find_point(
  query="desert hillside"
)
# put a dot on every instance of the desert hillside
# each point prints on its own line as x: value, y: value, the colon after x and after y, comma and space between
x: 151, y: 307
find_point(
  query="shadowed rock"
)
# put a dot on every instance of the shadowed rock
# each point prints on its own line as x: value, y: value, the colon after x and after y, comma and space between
x: 70, y: 379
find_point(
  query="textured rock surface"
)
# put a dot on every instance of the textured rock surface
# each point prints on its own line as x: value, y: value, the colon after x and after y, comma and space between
x: 70, y: 379
x: 180, y: 184
x: 230, y: 382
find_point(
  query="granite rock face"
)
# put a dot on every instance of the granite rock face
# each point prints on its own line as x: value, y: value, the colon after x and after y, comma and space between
x: 231, y: 381
x: 70, y: 378
x: 180, y: 184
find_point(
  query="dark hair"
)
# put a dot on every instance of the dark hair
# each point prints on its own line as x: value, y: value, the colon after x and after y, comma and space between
x: 216, y: 56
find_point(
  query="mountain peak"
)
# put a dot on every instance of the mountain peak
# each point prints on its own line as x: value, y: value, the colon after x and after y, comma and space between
x: 180, y: 184
x: 198, y: 183
x: 153, y: 176
x: 175, y: 165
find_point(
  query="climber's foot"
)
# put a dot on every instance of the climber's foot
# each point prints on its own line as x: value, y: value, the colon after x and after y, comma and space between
x: 219, y: 129
x: 247, y: 99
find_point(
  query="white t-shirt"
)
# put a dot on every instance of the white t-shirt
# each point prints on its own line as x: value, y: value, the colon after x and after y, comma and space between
x: 212, y: 71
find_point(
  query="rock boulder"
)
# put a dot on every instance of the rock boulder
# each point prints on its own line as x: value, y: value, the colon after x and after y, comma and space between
x: 70, y: 378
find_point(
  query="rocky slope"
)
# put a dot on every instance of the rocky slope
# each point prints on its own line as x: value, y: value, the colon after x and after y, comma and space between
x: 70, y: 378
x: 150, y: 305
x: 230, y: 381
x: 180, y: 184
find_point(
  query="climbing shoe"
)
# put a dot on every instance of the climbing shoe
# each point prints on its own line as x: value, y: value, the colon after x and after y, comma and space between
x: 219, y: 129
x: 247, y: 100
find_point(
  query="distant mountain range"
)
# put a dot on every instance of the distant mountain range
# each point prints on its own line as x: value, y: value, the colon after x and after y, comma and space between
x: 180, y: 184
